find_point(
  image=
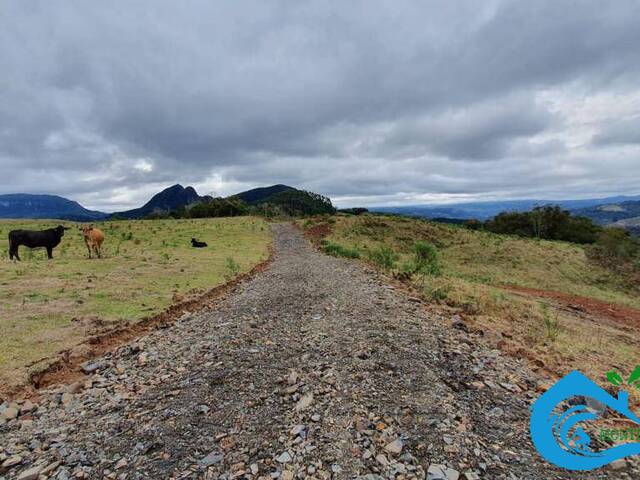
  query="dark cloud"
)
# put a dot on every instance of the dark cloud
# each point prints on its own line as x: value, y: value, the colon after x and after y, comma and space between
x: 359, y: 100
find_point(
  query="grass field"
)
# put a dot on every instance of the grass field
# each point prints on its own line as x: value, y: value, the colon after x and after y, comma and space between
x: 477, y: 267
x: 46, y: 306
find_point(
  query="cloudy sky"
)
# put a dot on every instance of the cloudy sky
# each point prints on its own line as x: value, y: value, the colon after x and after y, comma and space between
x: 369, y: 102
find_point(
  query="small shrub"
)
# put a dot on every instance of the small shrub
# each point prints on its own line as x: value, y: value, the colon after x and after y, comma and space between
x: 384, y: 257
x: 340, y: 251
x: 232, y: 268
x: 551, y: 324
x: 438, y: 294
x: 408, y: 268
x: 473, y: 224
x: 426, y: 259
x: 616, y: 243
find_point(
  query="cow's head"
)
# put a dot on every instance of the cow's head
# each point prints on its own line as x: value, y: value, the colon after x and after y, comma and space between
x: 60, y: 230
x: 86, y: 229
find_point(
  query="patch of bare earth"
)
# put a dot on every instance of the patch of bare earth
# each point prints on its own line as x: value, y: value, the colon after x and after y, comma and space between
x: 585, y: 305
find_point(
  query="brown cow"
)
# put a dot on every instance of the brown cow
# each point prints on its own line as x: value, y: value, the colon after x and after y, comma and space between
x: 93, y: 238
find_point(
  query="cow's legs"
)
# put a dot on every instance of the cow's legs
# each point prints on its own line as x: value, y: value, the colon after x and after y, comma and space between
x: 89, y: 249
x: 50, y: 253
x: 99, y: 251
x: 13, y: 253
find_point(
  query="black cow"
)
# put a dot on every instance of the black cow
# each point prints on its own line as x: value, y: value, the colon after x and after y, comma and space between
x: 48, y: 239
x: 196, y: 244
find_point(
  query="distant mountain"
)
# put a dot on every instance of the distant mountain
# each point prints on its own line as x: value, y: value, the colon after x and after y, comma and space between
x: 259, y: 195
x: 283, y: 199
x: 486, y: 210
x: 168, y: 199
x: 22, y: 205
x: 620, y: 213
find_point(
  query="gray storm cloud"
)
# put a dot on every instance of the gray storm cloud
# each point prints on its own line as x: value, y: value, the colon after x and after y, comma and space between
x: 366, y: 101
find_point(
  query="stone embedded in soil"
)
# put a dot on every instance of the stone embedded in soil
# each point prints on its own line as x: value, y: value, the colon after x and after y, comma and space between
x: 213, y: 458
x: 442, y: 472
x: 297, y: 430
x: 30, y: 474
x: 143, y: 358
x: 90, y: 367
x: 284, y: 457
x: 11, y: 462
x: 287, y: 475
x: 394, y: 447
x: 10, y: 413
x: 66, y: 398
x: 27, y: 407
x: 305, y: 402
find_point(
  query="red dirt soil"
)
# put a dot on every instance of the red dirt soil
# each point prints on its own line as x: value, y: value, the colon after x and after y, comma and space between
x: 317, y: 232
x: 591, y: 306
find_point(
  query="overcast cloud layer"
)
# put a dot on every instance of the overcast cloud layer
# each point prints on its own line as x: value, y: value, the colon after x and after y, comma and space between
x: 368, y: 102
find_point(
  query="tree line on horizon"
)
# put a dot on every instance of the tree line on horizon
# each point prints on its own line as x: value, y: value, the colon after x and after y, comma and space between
x: 291, y: 203
x: 552, y: 222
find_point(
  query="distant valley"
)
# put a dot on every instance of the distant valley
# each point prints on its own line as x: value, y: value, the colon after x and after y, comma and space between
x: 487, y: 210
x: 623, y: 211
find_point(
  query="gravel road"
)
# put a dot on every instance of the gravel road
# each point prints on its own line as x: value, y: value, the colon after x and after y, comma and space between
x: 315, y: 368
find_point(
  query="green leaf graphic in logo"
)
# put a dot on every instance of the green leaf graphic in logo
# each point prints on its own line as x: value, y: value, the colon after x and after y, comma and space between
x: 615, y: 378
x: 634, y: 378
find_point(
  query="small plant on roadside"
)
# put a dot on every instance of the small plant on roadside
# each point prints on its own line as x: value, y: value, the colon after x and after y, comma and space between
x: 426, y: 260
x: 438, y: 294
x: 231, y: 267
x: 407, y: 269
x: 340, y: 251
x: 551, y: 323
x: 384, y: 257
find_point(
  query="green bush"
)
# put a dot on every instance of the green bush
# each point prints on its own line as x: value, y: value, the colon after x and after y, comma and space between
x: 384, y: 256
x: 550, y: 222
x: 616, y: 242
x: 340, y: 251
x: 426, y: 259
x: 232, y: 268
x: 437, y: 294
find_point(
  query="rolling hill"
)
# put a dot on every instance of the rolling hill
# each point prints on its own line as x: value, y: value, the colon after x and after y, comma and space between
x: 259, y: 195
x: 22, y: 205
x: 168, y: 199
x: 486, y: 210
x: 619, y: 213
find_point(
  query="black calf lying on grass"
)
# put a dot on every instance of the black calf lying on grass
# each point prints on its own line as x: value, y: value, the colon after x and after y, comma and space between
x: 196, y: 244
x: 48, y: 239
